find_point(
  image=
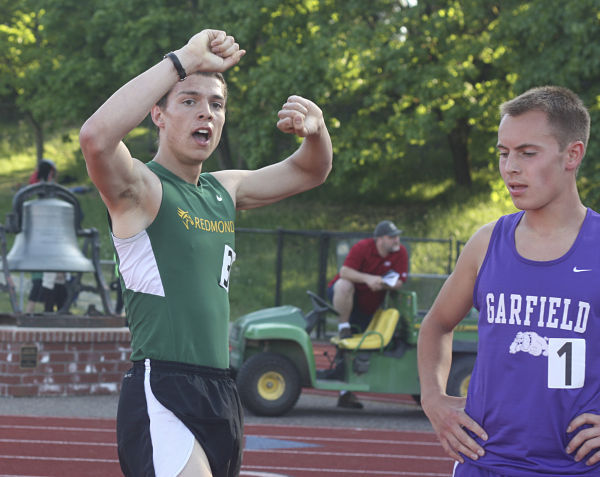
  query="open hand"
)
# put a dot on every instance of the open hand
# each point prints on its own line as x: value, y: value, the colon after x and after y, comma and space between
x: 300, y: 116
x: 587, y: 441
x: 449, y: 420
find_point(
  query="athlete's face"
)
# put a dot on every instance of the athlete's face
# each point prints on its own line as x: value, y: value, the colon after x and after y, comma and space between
x: 193, y: 119
x: 534, y: 169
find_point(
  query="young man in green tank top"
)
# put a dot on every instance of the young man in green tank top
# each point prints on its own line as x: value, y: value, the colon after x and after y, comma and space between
x: 173, y: 230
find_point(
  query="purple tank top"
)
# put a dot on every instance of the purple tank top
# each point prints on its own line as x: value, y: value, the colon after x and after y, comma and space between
x: 538, y: 358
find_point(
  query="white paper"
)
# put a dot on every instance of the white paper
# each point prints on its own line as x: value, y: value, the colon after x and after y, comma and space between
x: 391, y: 278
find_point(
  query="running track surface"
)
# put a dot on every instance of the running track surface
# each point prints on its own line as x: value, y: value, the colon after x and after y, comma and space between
x: 70, y: 447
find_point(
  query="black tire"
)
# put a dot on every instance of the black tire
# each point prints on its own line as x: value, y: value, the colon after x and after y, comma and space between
x: 268, y: 384
x: 460, y: 375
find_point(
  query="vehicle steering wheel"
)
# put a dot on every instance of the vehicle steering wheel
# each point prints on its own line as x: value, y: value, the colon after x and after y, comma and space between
x: 320, y: 304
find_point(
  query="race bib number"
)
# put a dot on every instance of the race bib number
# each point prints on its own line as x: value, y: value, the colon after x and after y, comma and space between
x: 228, y: 259
x: 566, y: 363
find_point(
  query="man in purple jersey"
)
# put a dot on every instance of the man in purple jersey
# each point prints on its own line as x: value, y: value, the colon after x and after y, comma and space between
x: 533, y: 403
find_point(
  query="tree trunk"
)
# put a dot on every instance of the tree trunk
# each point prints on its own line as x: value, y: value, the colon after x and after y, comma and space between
x: 458, y: 141
x: 225, y: 159
x: 38, y: 132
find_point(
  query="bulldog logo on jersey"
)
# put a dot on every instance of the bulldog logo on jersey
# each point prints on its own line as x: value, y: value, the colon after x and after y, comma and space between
x: 529, y: 342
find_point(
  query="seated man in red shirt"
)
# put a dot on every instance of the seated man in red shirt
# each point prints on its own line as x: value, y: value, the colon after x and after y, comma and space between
x: 360, y: 286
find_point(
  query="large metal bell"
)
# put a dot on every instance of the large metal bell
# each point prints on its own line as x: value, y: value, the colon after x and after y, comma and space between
x: 48, y: 240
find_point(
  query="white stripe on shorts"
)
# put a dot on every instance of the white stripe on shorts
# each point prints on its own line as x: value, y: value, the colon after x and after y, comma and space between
x: 172, y: 441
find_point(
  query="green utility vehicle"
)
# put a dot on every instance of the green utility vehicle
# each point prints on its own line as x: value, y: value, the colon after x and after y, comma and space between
x: 271, y: 354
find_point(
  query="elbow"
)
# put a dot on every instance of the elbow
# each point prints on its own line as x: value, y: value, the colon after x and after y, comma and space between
x: 88, y: 139
x: 328, y: 162
x: 345, y: 273
x: 319, y: 153
x: 327, y: 168
x: 92, y: 140
x: 319, y: 179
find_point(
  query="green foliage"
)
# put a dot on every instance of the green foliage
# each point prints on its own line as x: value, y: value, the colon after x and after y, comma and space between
x: 566, y: 53
x: 457, y: 216
x: 410, y: 90
x: 20, y: 59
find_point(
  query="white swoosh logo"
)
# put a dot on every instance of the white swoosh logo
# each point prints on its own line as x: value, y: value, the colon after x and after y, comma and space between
x: 576, y: 270
x: 219, y: 198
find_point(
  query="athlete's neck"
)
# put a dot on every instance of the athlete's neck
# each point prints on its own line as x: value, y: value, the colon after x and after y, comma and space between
x: 189, y: 171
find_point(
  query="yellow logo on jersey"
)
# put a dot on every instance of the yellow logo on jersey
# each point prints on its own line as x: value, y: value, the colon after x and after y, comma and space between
x: 186, y: 218
x: 219, y: 226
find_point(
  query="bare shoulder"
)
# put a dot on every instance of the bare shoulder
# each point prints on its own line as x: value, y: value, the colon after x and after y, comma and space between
x: 137, y: 203
x: 482, y: 236
x: 231, y: 179
x: 456, y: 296
x: 227, y: 177
x: 476, y: 247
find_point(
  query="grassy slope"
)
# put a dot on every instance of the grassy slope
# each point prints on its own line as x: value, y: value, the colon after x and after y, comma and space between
x: 454, y: 213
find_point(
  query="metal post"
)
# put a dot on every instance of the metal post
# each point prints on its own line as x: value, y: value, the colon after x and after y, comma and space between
x: 322, y: 279
x: 323, y: 254
x: 278, y: 267
x: 7, y: 276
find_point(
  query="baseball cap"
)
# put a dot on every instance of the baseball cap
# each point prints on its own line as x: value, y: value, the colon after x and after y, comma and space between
x: 386, y: 227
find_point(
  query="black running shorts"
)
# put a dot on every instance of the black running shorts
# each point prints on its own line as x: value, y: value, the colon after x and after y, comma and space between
x: 164, y: 405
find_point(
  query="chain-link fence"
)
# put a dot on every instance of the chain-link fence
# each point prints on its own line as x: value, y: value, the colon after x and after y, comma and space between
x: 276, y: 267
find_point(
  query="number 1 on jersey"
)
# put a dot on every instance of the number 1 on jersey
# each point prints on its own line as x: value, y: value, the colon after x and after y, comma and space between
x: 566, y: 363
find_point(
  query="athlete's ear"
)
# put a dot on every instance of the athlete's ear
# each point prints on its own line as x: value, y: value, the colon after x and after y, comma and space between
x: 157, y: 116
x: 575, y: 151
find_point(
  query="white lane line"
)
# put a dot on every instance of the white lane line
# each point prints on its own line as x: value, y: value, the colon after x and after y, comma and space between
x: 55, y: 428
x: 312, y: 439
x: 60, y: 459
x: 350, y: 454
x: 21, y: 475
x: 113, y: 444
x: 349, y: 471
x: 60, y: 443
x: 349, y: 439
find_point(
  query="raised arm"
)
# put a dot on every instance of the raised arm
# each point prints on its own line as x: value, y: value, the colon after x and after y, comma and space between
x: 127, y: 187
x: 306, y: 168
x: 453, y: 302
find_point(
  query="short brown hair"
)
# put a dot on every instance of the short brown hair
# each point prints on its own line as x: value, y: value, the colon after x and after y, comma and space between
x: 162, y: 102
x: 567, y: 115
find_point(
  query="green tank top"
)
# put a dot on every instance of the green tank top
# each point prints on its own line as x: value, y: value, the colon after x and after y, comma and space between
x: 175, y: 274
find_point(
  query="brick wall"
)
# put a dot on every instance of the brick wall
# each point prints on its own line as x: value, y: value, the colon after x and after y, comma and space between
x: 62, y: 362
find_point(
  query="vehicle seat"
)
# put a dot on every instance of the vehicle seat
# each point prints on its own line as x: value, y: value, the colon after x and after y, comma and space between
x: 377, y: 335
